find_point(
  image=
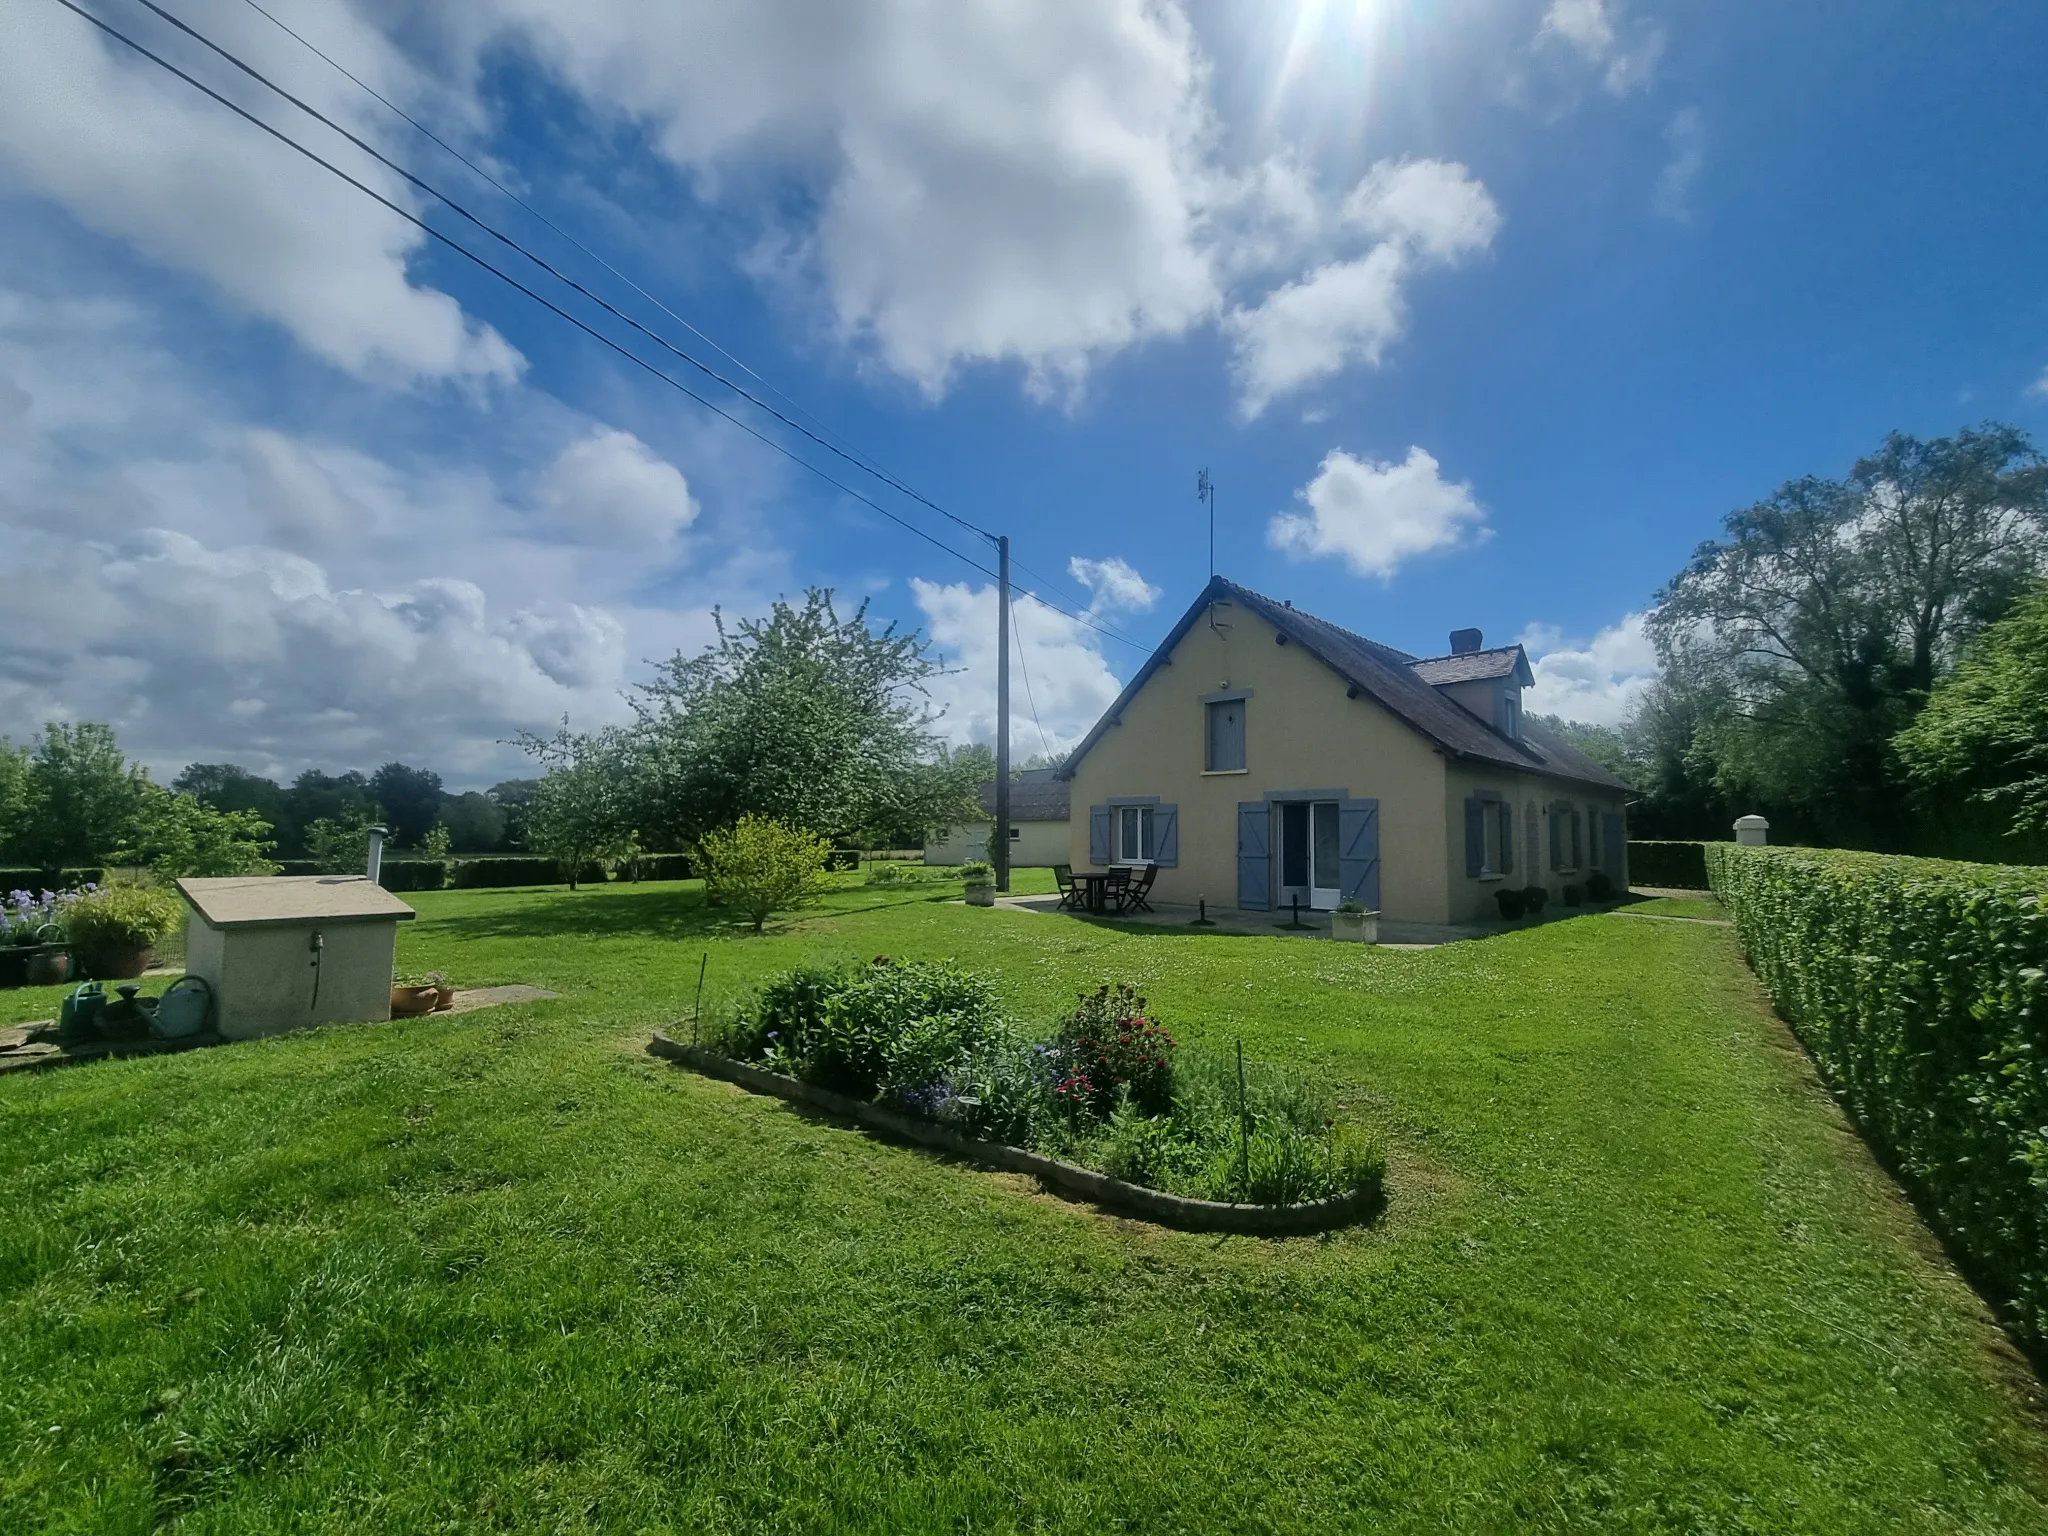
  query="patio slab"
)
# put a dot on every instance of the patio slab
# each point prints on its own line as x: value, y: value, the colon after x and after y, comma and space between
x: 1314, y: 925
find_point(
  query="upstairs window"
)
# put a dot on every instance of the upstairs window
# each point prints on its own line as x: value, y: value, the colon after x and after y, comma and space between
x: 1225, y: 753
x: 1511, y: 713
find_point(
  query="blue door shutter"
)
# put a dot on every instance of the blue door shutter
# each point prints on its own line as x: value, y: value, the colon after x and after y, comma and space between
x: 1166, y: 835
x: 1098, y: 834
x: 1254, y: 855
x: 1507, y: 839
x: 1556, y: 835
x: 1358, y: 848
x: 1475, y: 835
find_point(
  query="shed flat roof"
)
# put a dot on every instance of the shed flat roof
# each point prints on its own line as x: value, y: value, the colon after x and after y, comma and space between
x: 245, y: 901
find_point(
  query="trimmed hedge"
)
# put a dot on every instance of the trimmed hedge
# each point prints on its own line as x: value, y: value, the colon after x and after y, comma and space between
x: 1674, y: 866
x: 1918, y: 986
x: 32, y: 879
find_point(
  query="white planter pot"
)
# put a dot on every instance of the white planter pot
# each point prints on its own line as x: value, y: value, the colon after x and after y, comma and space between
x: 981, y: 895
x: 1355, y: 927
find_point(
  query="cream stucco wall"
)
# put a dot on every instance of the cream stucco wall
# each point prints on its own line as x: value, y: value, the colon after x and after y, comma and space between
x: 1301, y: 733
x: 264, y: 980
x: 1532, y: 796
x: 1037, y: 844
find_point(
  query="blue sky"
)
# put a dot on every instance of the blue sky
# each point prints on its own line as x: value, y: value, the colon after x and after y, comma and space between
x: 1478, y: 313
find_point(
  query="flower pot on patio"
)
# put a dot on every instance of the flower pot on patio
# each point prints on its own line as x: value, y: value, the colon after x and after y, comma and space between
x: 410, y: 1002
x: 981, y: 895
x: 1360, y: 927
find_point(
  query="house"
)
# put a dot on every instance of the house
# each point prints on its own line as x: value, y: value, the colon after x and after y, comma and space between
x: 1262, y: 755
x: 1038, y: 824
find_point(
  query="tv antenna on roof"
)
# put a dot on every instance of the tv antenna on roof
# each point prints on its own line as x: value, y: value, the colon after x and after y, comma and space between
x: 1205, y: 490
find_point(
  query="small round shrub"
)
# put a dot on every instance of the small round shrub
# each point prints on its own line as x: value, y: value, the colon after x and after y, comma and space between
x: 1510, y: 902
x: 1574, y: 896
x: 1600, y: 887
x: 885, y: 872
x: 1534, y: 899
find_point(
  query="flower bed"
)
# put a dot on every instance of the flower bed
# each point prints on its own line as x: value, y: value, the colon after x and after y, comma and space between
x: 1109, y: 1095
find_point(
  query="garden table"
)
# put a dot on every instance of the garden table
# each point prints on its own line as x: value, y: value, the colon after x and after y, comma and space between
x: 1094, y: 887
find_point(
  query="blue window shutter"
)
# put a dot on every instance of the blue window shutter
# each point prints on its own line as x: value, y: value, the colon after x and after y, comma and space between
x: 1098, y: 834
x: 1166, y: 834
x: 1475, y: 835
x: 1614, y: 844
x: 1556, y: 836
x: 1254, y: 855
x: 1507, y: 838
x: 1358, y: 851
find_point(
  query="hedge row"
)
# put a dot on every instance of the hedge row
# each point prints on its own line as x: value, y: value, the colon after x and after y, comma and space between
x: 1673, y: 866
x: 1918, y: 985
x: 491, y: 873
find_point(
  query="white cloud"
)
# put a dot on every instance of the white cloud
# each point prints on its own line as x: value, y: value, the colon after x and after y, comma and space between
x: 1597, y: 680
x: 1423, y: 212
x: 613, y: 485
x: 1374, y: 516
x: 2040, y: 385
x: 139, y: 156
x: 1595, y: 30
x: 1059, y: 681
x: 1685, y: 143
x: 1114, y: 584
x: 991, y: 182
x: 1436, y: 208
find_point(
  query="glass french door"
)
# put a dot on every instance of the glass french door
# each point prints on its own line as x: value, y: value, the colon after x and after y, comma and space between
x: 1310, y: 864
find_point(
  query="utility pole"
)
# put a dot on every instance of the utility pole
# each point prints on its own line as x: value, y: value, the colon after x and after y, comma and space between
x: 1002, y: 859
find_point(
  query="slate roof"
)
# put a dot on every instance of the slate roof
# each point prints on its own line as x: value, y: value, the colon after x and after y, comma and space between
x: 1036, y: 794
x: 1474, y: 666
x: 1387, y: 676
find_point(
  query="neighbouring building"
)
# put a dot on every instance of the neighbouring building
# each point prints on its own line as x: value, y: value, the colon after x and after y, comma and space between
x: 1263, y: 755
x: 1038, y: 824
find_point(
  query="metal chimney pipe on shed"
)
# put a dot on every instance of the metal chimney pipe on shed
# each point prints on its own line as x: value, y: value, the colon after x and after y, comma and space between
x: 377, y: 836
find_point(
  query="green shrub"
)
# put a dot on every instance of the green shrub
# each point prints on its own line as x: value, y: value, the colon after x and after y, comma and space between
x: 1574, y: 896
x: 977, y: 872
x: 896, y: 1029
x: 1600, y: 887
x: 1512, y: 903
x: 885, y: 872
x: 1111, y: 1049
x: 121, y: 917
x: 1534, y: 899
x: 1673, y: 866
x: 1918, y: 986
x: 785, y: 1015
x: 761, y: 866
x: 413, y: 874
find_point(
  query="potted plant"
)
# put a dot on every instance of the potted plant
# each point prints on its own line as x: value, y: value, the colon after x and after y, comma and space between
x: 412, y: 996
x: 1512, y: 903
x: 1353, y: 924
x: 1600, y: 887
x: 980, y: 880
x: 1533, y: 899
x: 1574, y: 896
x: 111, y: 930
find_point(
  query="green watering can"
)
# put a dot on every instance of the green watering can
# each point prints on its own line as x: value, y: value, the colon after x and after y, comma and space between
x: 184, y: 1009
x: 79, y: 1016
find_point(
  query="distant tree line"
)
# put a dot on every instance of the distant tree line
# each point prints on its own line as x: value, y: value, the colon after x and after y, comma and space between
x: 806, y: 717
x: 1864, y: 661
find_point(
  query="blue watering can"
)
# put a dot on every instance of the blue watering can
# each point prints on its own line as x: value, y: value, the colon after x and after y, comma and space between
x: 78, y: 1018
x: 184, y: 1009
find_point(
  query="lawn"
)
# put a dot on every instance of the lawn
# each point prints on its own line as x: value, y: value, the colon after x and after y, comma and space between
x: 504, y: 1271
x: 1679, y: 906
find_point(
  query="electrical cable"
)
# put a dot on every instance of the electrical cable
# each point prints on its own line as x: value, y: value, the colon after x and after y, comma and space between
x: 853, y: 454
x: 562, y: 277
x: 513, y: 282
x: 505, y: 277
x: 1017, y: 634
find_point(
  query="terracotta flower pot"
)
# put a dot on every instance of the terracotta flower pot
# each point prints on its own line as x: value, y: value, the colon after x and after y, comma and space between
x: 49, y: 968
x: 444, y: 999
x: 112, y: 963
x: 410, y: 1002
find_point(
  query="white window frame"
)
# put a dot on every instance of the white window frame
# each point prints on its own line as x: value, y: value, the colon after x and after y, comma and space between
x: 1140, y: 821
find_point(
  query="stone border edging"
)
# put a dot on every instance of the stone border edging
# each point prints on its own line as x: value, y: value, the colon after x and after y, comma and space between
x: 1077, y: 1183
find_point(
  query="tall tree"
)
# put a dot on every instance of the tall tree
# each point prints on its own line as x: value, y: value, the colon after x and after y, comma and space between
x: 584, y: 806
x: 1984, y: 733
x: 805, y: 716
x: 81, y: 799
x: 341, y: 798
x: 410, y: 799
x: 515, y: 798
x: 1818, y: 624
x: 228, y: 787
x: 14, y: 793
x: 475, y: 822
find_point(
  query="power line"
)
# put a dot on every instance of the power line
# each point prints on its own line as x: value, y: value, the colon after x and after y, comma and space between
x: 1024, y: 667
x: 513, y: 282
x: 562, y: 277
x: 1078, y: 615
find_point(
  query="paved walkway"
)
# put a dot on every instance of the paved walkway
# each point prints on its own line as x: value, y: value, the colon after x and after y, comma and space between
x: 1314, y: 925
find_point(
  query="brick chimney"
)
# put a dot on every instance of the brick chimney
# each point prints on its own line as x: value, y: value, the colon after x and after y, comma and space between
x: 1465, y: 641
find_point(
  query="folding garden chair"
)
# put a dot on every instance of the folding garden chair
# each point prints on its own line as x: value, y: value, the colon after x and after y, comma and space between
x: 1117, y: 886
x: 1071, y: 894
x: 1141, y: 887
